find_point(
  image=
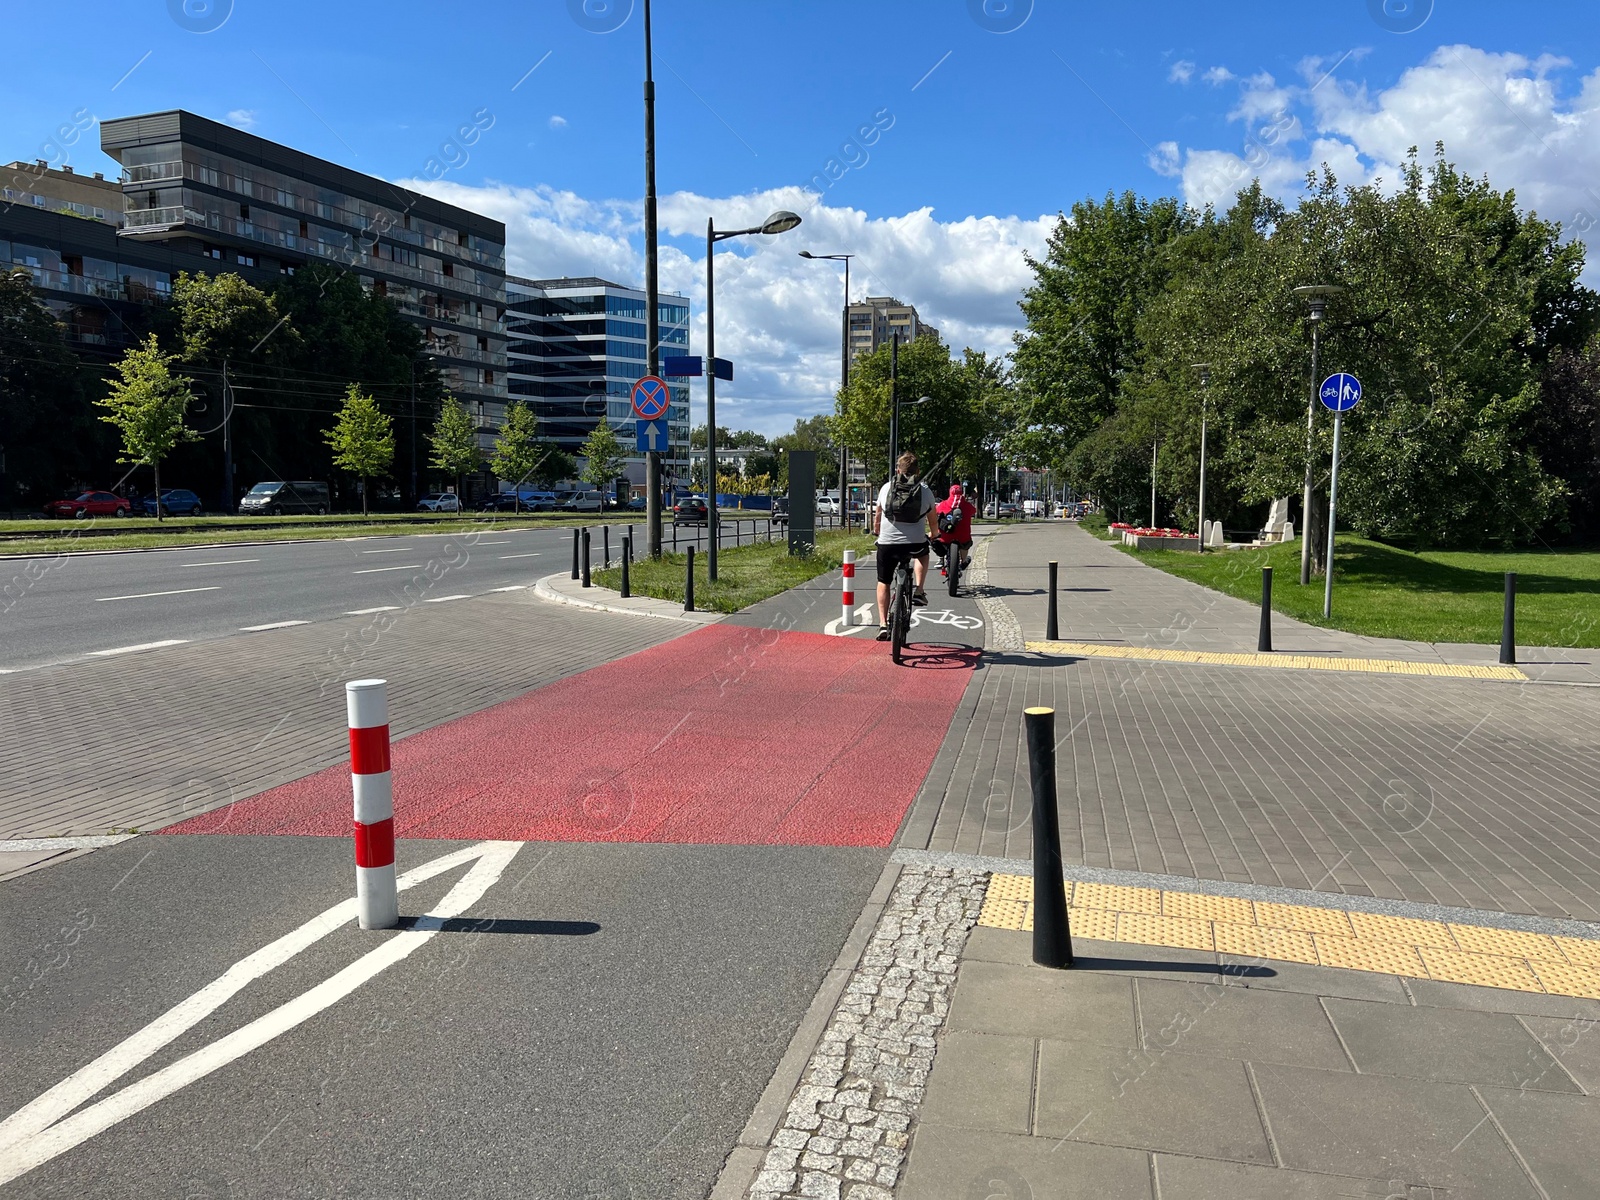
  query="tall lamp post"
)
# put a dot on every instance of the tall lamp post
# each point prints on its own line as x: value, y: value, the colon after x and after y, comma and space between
x: 779, y: 222
x: 1317, y: 295
x: 1205, y: 389
x: 844, y: 370
x: 652, y: 296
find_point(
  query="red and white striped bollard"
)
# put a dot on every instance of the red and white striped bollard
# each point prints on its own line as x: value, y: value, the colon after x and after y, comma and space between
x: 377, y: 902
x: 849, y: 597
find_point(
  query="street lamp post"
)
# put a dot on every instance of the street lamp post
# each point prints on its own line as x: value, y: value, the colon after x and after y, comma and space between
x: 844, y: 372
x: 779, y: 222
x: 652, y: 301
x: 1317, y: 295
x: 1205, y: 389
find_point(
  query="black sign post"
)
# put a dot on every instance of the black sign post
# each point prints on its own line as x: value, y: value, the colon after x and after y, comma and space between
x: 802, y: 502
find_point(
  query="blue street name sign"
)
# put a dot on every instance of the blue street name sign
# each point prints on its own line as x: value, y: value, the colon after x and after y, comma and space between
x: 722, y: 368
x: 682, y: 366
x: 650, y: 398
x: 1340, y: 392
x: 650, y: 436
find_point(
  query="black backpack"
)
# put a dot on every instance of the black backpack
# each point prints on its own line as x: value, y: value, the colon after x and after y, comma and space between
x: 905, y: 499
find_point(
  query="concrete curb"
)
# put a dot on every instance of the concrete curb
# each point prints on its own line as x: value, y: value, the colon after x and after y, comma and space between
x: 550, y: 590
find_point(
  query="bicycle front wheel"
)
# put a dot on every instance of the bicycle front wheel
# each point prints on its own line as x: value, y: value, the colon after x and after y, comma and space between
x: 899, y: 615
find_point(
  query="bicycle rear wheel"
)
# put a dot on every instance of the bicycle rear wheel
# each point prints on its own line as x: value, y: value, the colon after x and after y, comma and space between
x: 953, y: 568
x: 899, y: 613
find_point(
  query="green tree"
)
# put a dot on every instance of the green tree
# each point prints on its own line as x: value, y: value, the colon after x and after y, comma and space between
x: 147, y: 406
x: 362, y: 438
x: 225, y: 316
x: 454, y: 441
x: 516, y: 448
x: 950, y: 423
x: 603, y: 459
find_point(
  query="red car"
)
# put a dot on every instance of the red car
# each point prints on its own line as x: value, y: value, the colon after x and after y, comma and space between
x: 89, y: 504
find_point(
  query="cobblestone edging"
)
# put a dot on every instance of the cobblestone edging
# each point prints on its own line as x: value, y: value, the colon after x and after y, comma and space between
x: 845, y: 1133
x: 1005, y: 632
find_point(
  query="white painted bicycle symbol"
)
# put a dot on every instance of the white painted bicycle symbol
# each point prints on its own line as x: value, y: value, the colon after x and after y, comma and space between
x: 944, y: 616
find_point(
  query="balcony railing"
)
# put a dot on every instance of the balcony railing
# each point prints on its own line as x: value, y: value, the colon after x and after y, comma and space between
x: 158, y: 218
x: 147, y: 171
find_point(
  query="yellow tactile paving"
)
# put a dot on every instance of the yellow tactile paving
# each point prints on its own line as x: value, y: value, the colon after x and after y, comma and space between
x: 1512, y: 942
x: 1150, y: 930
x: 1579, y: 952
x: 1252, y: 941
x: 1281, y: 662
x: 1117, y: 898
x: 1486, y: 970
x: 1563, y: 979
x: 1207, y: 908
x: 1502, y: 958
x: 1406, y: 930
x: 1296, y: 916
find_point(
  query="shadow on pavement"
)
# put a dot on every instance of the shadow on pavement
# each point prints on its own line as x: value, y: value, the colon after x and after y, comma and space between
x: 1082, y: 963
x: 509, y: 925
x: 940, y: 656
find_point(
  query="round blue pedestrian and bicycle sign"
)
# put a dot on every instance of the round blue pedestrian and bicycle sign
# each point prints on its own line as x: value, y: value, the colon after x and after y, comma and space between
x: 1340, y: 392
x: 650, y: 398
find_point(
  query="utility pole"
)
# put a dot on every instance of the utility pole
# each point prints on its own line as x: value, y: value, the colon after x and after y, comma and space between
x: 1317, y: 294
x: 227, y: 443
x: 652, y: 301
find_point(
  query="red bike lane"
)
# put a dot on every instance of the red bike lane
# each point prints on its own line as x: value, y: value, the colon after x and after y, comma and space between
x: 728, y: 735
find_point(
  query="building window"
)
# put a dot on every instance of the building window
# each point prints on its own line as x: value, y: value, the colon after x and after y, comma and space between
x: 247, y: 260
x: 212, y: 251
x: 286, y: 270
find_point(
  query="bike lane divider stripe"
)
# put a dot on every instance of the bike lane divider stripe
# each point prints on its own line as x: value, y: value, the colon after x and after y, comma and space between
x: 42, y: 1130
x: 270, y: 625
x: 140, y: 646
x: 376, y: 570
x: 148, y: 595
x: 224, y: 562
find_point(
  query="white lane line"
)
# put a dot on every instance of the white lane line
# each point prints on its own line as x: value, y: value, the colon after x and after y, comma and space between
x: 375, y: 570
x: 91, y: 842
x: 534, y: 554
x: 361, y: 612
x: 221, y: 562
x: 497, y: 542
x: 140, y: 646
x: 271, y: 625
x: 41, y: 1130
x: 391, y: 550
x: 515, y: 587
x: 442, y: 599
x: 174, y: 592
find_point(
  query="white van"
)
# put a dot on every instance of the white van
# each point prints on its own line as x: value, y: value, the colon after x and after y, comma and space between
x: 1033, y: 508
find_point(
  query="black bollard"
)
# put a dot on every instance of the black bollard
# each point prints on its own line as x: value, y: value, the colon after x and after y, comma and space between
x: 1052, y: 936
x: 1051, y: 632
x: 586, y: 558
x: 627, y: 557
x: 674, y: 535
x: 1508, y: 623
x: 688, y: 583
x: 577, y: 536
x: 1264, y: 638
x: 627, y: 542
x: 605, y: 545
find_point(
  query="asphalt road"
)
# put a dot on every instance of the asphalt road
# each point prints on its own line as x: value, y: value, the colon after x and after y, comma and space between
x: 81, y: 606
x: 599, y: 1024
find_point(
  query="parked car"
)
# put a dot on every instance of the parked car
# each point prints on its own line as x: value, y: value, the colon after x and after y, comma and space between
x: 828, y: 505
x: 276, y: 498
x: 583, y: 502
x: 780, y: 510
x: 521, y: 500
x: 175, y: 502
x: 439, y: 502
x: 636, y: 504
x: 691, y: 510
x: 1005, y: 510
x: 89, y: 504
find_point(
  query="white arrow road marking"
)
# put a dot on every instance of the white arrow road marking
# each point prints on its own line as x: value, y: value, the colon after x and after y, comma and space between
x: 865, y: 619
x: 40, y: 1131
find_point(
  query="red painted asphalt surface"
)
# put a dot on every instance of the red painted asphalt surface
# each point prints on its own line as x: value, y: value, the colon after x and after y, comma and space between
x: 726, y: 735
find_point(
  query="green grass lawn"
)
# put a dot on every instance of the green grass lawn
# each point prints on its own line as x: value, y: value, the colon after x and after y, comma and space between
x: 145, y: 533
x: 745, y: 574
x: 1432, y: 596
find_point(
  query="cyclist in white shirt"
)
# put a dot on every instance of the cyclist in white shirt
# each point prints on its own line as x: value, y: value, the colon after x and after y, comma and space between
x: 901, y: 536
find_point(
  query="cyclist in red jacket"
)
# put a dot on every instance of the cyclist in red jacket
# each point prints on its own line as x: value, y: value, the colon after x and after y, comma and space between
x: 955, y: 525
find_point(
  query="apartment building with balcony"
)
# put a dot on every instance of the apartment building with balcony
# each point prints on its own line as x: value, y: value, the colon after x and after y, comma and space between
x: 576, y: 347
x: 875, y: 322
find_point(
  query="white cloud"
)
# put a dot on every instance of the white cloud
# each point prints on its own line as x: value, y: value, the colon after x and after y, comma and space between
x: 1506, y: 116
x: 778, y: 315
x: 1217, y: 75
x: 1182, y: 71
x: 558, y: 122
x: 242, y: 118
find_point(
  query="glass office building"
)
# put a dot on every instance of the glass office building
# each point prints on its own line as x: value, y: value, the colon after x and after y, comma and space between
x: 576, y: 348
x: 226, y: 200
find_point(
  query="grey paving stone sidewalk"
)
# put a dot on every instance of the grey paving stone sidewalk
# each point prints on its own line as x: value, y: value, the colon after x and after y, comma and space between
x: 1443, y: 791
x: 1108, y: 596
x: 146, y: 739
x: 1177, y: 1075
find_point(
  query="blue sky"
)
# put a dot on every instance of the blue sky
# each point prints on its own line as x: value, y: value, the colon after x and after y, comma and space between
x: 983, y: 133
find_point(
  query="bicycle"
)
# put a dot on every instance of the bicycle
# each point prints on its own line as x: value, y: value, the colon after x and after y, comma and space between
x: 899, y: 611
